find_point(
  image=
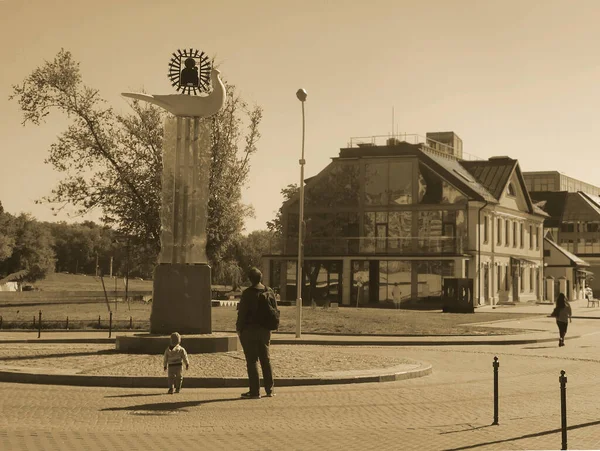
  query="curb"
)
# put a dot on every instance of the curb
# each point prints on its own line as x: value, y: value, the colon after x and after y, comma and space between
x: 302, y: 341
x: 389, y: 375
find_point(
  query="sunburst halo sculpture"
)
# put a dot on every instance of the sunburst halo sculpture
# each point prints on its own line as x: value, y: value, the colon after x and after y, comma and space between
x: 189, y: 71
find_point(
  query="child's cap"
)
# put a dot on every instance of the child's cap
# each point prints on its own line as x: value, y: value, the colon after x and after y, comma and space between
x: 175, y: 338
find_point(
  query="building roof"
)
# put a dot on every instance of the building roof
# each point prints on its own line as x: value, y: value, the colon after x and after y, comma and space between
x: 459, y: 176
x: 554, y: 204
x: 493, y: 173
x: 574, y: 258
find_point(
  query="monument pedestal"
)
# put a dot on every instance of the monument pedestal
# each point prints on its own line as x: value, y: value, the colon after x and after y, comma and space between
x: 144, y: 343
x: 181, y: 299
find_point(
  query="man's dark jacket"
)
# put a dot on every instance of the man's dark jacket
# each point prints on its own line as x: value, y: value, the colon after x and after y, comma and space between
x: 248, y: 308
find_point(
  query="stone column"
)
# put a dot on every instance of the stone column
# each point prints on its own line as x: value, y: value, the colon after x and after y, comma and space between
x: 550, y: 296
x: 562, y: 287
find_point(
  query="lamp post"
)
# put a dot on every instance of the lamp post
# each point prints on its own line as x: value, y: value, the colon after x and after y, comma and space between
x: 301, y: 94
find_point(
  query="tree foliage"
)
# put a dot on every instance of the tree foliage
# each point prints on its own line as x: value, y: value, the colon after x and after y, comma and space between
x: 31, y: 248
x: 113, y: 162
x: 276, y: 225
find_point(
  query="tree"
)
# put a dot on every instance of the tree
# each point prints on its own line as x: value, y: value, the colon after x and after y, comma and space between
x: 7, y: 234
x: 113, y: 162
x: 32, y: 250
x: 276, y: 225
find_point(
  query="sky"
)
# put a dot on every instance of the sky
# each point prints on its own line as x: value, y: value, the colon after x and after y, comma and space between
x: 517, y: 78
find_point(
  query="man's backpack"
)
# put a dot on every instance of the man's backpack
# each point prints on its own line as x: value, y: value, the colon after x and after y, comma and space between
x: 268, y: 311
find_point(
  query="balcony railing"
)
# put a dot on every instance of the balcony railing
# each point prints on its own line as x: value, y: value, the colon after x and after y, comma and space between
x: 444, y: 245
x: 429, y: 145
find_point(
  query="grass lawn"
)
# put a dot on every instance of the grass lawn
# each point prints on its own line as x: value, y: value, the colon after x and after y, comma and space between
x: 314, y: 320
x: 80, y: 282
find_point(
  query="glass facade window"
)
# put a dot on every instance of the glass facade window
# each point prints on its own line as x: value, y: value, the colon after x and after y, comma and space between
x: 400, y: 183
x: 435, y: 190
x: 395, y: 281
x: 360, y: 282
x: 430, y: 276
x: 388, y: 183
x: 376, y: 183
x: 338, y: 186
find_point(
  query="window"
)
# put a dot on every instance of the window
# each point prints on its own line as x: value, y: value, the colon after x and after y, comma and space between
x: 537, y: 238
x: 506, y: 278
x: 485, y: 229
x: 530, y: 237
x: 514, y: 233
x: 499, y: 277
x: 546, y: 252
x: 522, y: 237
x: 511, y: 190
x: 506, y: 231
x: 498, y: 231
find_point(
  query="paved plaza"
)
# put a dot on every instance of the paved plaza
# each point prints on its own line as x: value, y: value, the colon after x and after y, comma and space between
x: 451, y: 409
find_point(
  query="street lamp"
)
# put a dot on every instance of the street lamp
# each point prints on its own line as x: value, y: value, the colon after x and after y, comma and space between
x: 301, y: 94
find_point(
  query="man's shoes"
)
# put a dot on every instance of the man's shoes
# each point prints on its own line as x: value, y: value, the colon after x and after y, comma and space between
x: 249, y: 395
x: 270, y: 394
x: 170, y: 392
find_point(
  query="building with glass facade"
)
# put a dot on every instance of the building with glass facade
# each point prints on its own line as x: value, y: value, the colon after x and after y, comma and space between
x: 385, y: 223
x: 555, y: 181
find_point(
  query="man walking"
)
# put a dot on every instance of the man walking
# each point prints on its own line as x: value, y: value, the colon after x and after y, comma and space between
x: 254, y: 335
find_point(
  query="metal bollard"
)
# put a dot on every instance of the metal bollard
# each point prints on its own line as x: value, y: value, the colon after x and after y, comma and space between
x: 0, y: 321
x: 98, y: 321
x: 40, y: 325
x: 109, y: 324
x: 34, y: 321
x: 563, y: 407
x: 67, y: 325
x: 496, y: 365
x: 130, y: 322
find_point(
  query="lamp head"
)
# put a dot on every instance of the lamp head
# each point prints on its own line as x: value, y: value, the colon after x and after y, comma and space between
x: 301, y: 94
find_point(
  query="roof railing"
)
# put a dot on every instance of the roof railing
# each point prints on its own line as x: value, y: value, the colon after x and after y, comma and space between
x: 427, y: 144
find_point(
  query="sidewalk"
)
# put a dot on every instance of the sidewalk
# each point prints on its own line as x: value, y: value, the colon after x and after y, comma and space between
x: 543, y: 330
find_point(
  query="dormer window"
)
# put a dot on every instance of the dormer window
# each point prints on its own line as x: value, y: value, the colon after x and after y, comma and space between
x: 511, y: 190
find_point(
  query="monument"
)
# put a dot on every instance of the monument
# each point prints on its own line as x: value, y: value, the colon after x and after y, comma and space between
x: 181, y: 298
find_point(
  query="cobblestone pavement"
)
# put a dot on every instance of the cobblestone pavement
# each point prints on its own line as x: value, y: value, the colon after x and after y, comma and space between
x: 452, y: 409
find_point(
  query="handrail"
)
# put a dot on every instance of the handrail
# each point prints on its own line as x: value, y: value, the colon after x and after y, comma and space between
x: 428, y: 144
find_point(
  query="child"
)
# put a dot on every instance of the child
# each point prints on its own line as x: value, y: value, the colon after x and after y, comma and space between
x: 175, y: 356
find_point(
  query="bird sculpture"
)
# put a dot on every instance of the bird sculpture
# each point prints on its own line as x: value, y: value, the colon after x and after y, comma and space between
x: 186, y: 105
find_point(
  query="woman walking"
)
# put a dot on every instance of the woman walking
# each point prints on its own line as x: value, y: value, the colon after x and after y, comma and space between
x: 562, y: 313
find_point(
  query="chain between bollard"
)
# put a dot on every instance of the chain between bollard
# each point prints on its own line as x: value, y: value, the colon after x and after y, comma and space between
x: 563, y: 407
x: 496, y: 365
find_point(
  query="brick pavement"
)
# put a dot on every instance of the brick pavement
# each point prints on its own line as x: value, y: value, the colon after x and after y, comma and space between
x: 450, y: 409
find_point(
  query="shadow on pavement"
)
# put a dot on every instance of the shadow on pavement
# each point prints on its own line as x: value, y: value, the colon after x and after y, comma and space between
x: 536, y: 434
x: 135, y: 396
x: 540, y: 347
x: 158, y: 407
x: 468, y: 429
